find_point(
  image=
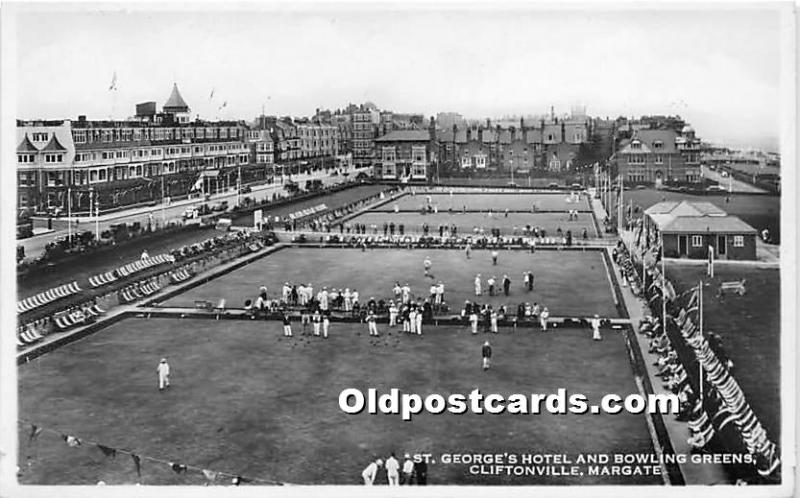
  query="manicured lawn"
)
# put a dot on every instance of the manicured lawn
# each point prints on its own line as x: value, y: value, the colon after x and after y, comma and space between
x: 494, y: 201
x: 466, y: 222
x: 570, y: 283
x: 246, y: 401
x: 760, y: 211
x: 750, y: 326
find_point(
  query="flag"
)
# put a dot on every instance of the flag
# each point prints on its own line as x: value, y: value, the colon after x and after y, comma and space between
x: 177, y: 467
x: 669, y: 291
x: 35, y: 431
x: 224, y: 104
x: 113, y: 85
x: 694, y: 301
x: 109, y: 452
x: 72, y: 441
x: 198, y: 184
x: 137, y: 462
x: 212, y: 94
x: 210, y: 475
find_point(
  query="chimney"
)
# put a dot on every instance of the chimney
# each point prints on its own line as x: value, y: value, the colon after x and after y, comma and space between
x: 513, y: 133
x: 488, y: 123
x: 480, y: 134
x: 469, y: 134
x: 563, y: 133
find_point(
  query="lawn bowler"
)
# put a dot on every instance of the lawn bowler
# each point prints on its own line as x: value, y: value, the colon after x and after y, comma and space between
x: 408, y: 470
x: 596, y: 328
x: 369, y: 473
x: 486, y: 353
x: 478, y: 284
x: 287, y: 324
x: 543, y: 316
x: 473, y: 321
x: 494, y: 256
x: 427, y: 263
x: 326, y: 323
x: 163, y: 374
x: 392, y: 314
x: 316, y: 319
x: 393, y: 470
x: 372, y: 324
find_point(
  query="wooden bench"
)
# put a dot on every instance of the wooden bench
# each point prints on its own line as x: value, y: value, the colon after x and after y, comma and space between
x: 736, y: 286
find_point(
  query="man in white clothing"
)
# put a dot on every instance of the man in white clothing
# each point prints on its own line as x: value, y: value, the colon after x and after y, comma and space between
x: 371, y: 471
x: 596, y: 328
x: 393, y: 470
x: 326, y: 323
x: 392, y: 314
x: 408, y: 469
x: 478, y: 284
x: 419, y: 322
x: 406, y: 290
x: 543, y: 316
x: 372, y: 324
x: 163, y: 374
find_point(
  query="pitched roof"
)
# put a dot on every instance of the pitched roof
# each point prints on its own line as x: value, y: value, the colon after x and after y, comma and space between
x: 695, y: 217
x: 175, y: 100
x: 703, y: 224
x: 54, y: 146
x: 685, y: 208
x: 405, y: 136
x: 26, y: 145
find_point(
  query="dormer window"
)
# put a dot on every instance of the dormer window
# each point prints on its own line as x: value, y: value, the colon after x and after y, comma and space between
x: 636, y: 145
x: 658, y: 144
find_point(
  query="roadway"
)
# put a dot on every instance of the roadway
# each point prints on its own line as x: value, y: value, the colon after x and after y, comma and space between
x: 730, y: 183
x: 161, y: 214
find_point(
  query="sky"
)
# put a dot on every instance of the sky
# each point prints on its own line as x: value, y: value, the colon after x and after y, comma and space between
x: 718, y: 69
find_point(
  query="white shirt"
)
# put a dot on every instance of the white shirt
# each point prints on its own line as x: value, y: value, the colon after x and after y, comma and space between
x: 163, y: 369
x: 370, y: 471
x: 408, y: 466
x: 392, y: 466
x: 354, y: 296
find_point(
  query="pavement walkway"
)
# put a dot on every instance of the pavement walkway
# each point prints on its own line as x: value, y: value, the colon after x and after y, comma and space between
x: 693, y: 473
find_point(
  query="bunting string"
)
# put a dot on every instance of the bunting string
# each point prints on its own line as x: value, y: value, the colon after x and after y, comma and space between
x: 211, y: 476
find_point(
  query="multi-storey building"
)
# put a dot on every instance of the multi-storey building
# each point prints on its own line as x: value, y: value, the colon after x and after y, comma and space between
x: 80, y: 163
x: 404, y: 155
x: 365, y: 128
x: 317, y: 139
x: 552, y: 145
x: 659, y: 156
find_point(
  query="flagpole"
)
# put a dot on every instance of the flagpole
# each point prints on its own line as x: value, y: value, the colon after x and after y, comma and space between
x: 69, y: 215
x: 700, y: 364
x: 663, y: 286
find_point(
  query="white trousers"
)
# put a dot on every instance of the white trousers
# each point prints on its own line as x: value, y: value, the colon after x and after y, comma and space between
x: 394, y: 479
x: 163, y: 381
x: 373, y: 328
x: 316, y: 328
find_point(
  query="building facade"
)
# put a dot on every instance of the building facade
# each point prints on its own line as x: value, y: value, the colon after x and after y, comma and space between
x: 404, y: 155
x: 552, y: 146
x: 693, y: 229
x: 74, y: 165
x: 659, y: 156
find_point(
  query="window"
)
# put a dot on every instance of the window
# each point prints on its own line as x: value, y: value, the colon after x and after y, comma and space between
x: 577, y: 138
x: 25, y: 158
x: 40, y: 137
x: 636, y: 159
x: 659, y: 159
x: 697, y: 241
x: 636, y: 145
x: 658, y: 144
x: 79, y: 137
x: 550, y: 137
x: 738, y: 241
